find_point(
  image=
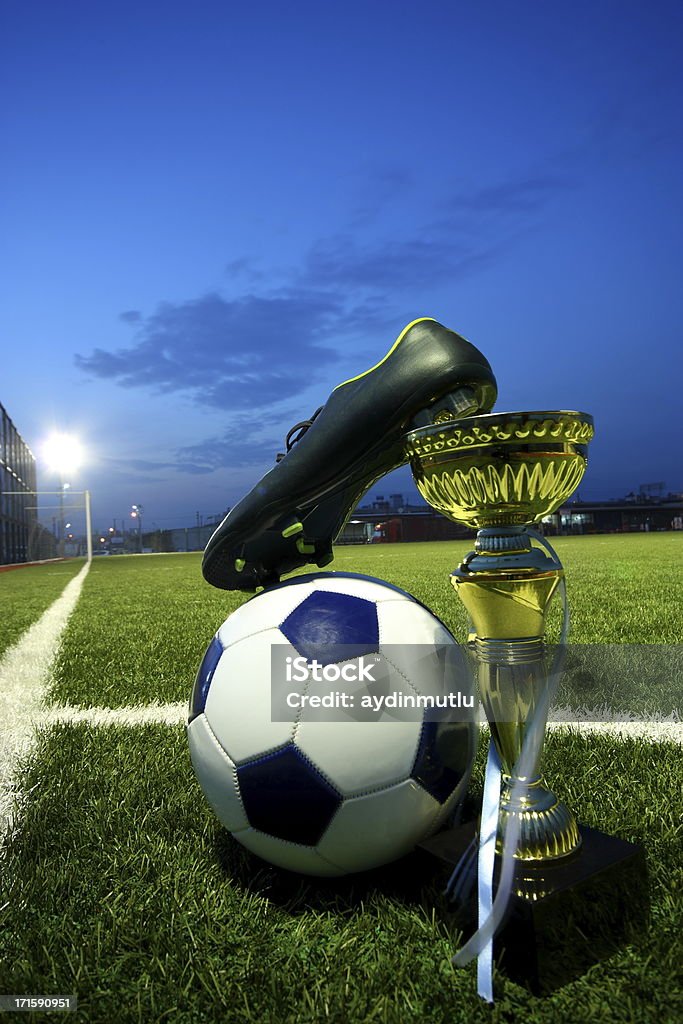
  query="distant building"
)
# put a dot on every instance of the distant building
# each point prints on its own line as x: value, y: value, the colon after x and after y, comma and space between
x: 18, y: 519
x: 395, y: 519
x: 391, y: 521
x: 632, y: 514
x: 383, y: 521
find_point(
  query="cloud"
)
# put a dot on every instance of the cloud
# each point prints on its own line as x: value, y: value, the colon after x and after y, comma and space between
x: 229, y: 353
x: 246, y: 442
x: 522, y: 195
x: 236, y: 448
x: 395, y: 264
x: 243, y: 267
x: 378, y: 187
x: 227, y: 452
x: 474, y: 227
x: 145, y: 465
x: 257, y: 348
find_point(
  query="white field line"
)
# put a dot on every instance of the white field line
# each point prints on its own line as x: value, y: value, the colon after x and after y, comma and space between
x: 24, y: 675
x: 144, y: 714
x: 655, y: 732
x: 176, y: 714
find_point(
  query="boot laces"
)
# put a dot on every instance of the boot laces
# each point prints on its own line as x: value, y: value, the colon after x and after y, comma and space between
x: 296, y: 433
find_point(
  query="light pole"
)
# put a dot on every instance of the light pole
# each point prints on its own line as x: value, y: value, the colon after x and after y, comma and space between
x: 63, y: 488
x: 136, y: 513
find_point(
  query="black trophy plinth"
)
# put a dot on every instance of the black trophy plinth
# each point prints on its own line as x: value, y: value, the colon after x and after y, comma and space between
x: 575, y: 912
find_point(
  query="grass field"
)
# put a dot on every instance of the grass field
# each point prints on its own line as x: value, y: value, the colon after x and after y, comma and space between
x: 26, y: 593
x: 119, y: 885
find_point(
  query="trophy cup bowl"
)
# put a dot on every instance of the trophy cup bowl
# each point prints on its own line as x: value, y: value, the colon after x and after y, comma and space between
x: 500, y: 468
x: 501, y: 473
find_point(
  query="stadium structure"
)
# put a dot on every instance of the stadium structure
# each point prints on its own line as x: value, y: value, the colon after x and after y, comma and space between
x: 18, y: 519
x: 397, y: 518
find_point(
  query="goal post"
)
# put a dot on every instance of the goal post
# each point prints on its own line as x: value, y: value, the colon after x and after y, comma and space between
x: 88, y: 526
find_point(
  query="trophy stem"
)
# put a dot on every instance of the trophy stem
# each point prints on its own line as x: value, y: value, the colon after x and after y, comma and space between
x: 506, y: 586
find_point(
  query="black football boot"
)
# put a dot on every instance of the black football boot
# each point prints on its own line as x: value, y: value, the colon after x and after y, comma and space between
x: 298, y: 508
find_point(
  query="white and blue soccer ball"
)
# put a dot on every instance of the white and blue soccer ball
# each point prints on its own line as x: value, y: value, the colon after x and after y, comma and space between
x: 330, y: 792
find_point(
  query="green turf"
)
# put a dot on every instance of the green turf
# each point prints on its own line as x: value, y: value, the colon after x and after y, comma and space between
x: 623, y: 589
x: 26, y: 593
x: 144, y: 623
x: 122, y: 888
x: 141, y: 629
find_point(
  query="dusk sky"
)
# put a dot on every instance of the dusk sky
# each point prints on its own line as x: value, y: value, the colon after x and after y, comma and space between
x: 212, y: 213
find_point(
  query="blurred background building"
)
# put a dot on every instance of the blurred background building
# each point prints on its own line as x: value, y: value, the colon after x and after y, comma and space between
x: 19, y: 527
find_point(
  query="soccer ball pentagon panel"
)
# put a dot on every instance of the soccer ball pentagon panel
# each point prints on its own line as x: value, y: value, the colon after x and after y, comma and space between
x: 298, y: 732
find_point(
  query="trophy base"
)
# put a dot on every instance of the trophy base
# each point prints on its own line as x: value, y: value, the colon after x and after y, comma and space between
x: 564, y: 916
x: 547, y: 828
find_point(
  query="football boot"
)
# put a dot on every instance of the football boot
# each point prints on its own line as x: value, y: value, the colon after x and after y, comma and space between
x: 294, y: 513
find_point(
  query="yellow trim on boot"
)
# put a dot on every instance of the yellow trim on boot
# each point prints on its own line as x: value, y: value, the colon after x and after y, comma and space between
x: 420, y: 319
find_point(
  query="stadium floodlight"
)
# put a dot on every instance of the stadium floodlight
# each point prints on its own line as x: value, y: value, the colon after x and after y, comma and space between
x: 63, y: 453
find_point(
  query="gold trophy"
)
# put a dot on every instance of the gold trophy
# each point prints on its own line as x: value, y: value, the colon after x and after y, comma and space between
x: 576, y: 894
x: 502, y: 473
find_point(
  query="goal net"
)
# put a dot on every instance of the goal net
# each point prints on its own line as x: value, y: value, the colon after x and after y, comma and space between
x: 40, y: 525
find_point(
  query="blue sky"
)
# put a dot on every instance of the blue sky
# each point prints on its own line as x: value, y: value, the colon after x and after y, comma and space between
x: 213, y: 213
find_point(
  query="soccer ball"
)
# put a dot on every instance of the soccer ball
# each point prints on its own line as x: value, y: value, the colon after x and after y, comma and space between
x: 304, y: 779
